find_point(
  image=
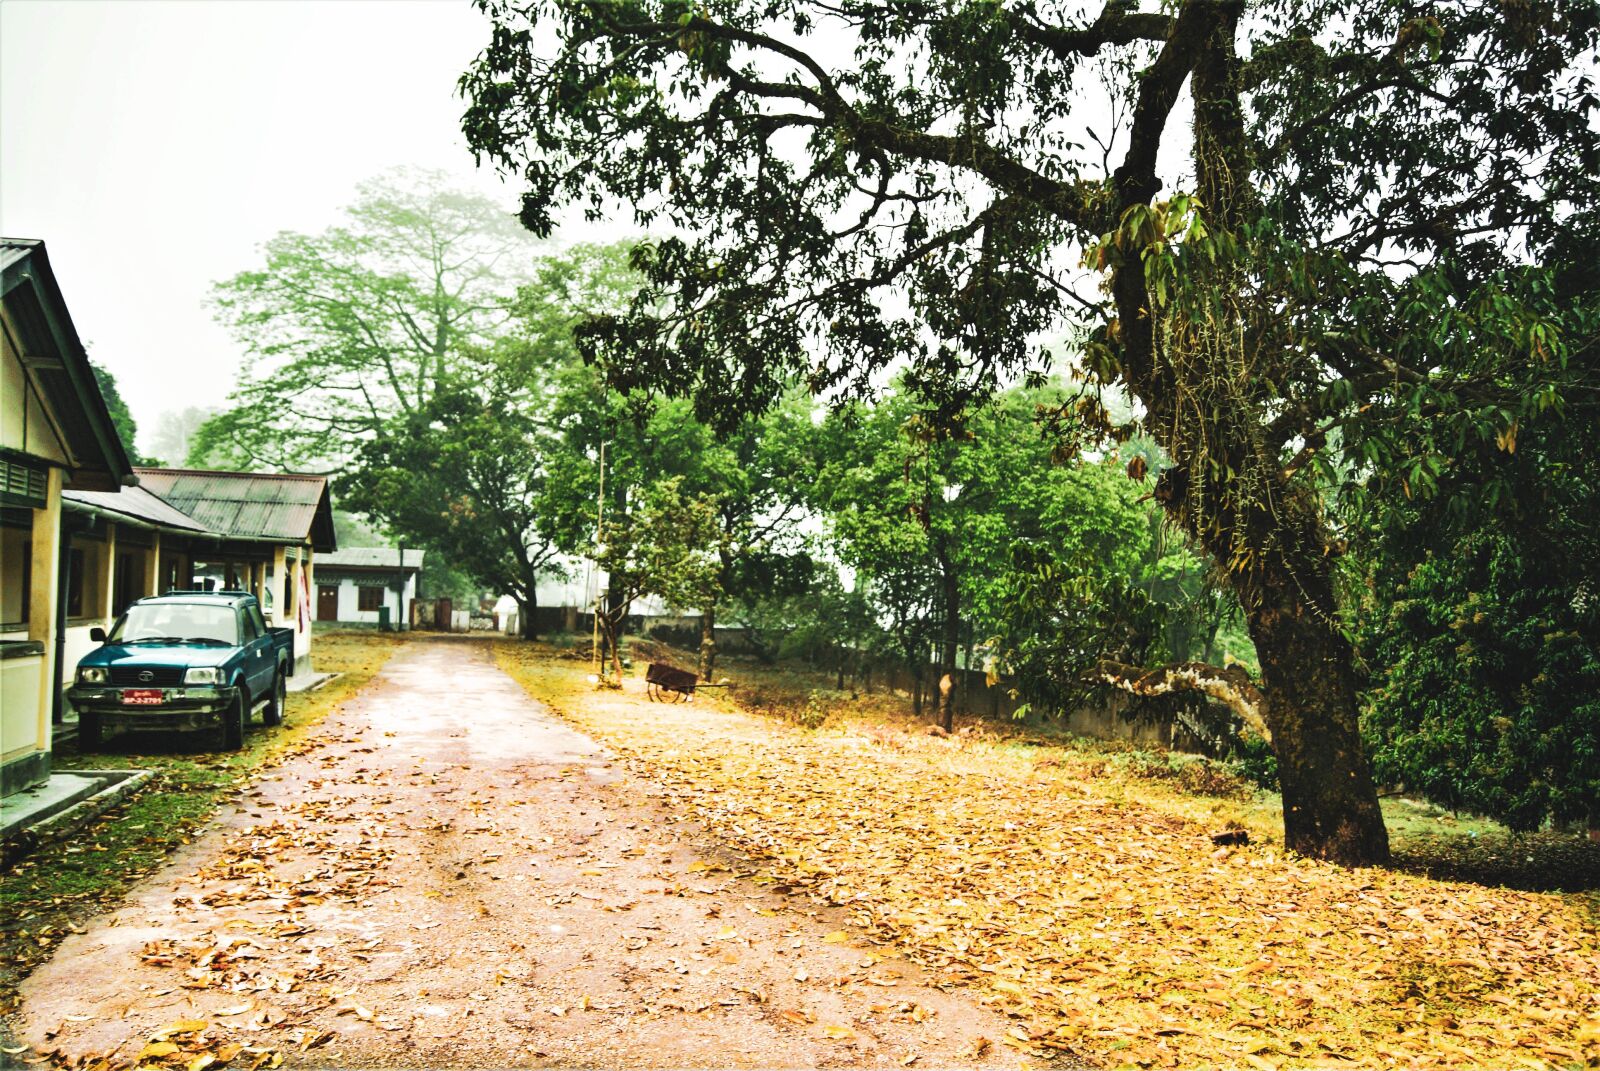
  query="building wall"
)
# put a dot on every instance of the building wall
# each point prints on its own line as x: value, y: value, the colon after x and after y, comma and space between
x: 349, y: 601
x: 24, y: 425
x: 19, y: 705
x: 25, y: 680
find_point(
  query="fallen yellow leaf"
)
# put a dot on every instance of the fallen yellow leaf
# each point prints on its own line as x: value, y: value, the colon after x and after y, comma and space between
x: 182, y: 1026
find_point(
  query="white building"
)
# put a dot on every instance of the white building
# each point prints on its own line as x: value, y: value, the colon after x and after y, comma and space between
x: 354, y: 586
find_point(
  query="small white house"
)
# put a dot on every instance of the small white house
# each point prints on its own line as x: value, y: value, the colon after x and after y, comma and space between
x: 354, y: 586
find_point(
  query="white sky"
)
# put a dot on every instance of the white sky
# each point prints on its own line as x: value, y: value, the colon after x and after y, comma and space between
x: 154, y: 144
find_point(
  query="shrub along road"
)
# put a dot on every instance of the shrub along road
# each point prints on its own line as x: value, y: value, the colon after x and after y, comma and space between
x: 453, y: 878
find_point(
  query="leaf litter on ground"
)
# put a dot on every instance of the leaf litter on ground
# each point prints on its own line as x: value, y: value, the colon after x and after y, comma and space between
x: 1098, y: 913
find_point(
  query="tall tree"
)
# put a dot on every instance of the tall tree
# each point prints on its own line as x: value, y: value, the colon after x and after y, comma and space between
x: 175, y: 430
x: 465, y: 475
x: 1352, y: 173
x: 487, y: 467
x: 362, y: 323
x: 755, y: 475
x: 121, y: 415
x: 668, y: 544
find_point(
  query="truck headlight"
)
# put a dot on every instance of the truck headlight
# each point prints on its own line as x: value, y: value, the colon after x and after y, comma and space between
x: 207, y: 675
x: 92, y: 675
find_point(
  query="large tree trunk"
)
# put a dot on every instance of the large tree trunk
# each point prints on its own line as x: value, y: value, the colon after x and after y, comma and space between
x: 528, y: 610
x: 611, y: 649
x: 525, y: 627
x: 1196, y: 382
x: 1330, y: 804
x: 708, y: 643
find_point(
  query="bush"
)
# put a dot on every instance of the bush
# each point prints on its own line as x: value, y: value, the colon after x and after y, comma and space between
x: 815, y: 713
x: 1488, y: 695
x: 1255, y: 761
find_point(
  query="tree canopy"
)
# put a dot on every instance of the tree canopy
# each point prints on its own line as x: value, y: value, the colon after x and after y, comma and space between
x: 1308, y: 222
x: 362, y: 323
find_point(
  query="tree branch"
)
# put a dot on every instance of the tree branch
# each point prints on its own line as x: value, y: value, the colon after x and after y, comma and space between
x: 1232, y: 685
x: 1116, y: 25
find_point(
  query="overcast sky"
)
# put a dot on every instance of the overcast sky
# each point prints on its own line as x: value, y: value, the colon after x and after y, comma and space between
x: 154, y: 144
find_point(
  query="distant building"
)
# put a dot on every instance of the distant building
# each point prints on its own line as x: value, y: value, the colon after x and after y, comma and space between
x: 269, y: 531
x: 355, y: 585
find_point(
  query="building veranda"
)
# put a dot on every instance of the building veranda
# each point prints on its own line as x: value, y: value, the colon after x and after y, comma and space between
x: 83, y: 532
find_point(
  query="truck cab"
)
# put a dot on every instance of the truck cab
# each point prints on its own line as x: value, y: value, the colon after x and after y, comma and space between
x: 186, y: 659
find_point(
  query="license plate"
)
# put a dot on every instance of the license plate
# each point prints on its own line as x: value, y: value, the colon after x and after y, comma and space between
x: 143, y: 697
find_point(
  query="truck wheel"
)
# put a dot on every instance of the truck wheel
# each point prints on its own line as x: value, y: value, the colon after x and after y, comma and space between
x: 233, y: 723
x: 272, y: 713
x: 89, y: 731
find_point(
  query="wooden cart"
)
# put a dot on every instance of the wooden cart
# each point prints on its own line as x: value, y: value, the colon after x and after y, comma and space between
x: 669, y: 684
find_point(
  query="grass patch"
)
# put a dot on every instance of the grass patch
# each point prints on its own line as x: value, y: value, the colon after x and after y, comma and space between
x: 1072, y: 884
x: 44, y: 895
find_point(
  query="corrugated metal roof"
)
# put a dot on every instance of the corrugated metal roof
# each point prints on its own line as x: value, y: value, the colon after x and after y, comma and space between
x: 250, y: 505
x: 15, y: 249
x: 138, y: 503
x: 370, y: 558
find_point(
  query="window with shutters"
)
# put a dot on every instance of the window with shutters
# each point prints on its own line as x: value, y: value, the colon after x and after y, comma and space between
x: 369, y: 598
x: 23, y: 484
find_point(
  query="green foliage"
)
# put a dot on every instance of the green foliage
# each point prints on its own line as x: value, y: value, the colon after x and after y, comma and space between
x: 853, y: 186
x: 815, y: 713
x: 121, y: 416
x: 363, y: 323
x: 1477, y: 584
x: 478, y: 470
x: 462, y: 476
x: 1489, y: 699
x: 1256, y: 762
x: 1057, y: 563
x: 669, y: 544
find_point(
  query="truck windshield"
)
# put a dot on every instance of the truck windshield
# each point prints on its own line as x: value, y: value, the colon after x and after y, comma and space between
x: 172, y: 622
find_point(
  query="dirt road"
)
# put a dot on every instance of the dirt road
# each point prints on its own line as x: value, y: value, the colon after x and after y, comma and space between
x: 456, y: 879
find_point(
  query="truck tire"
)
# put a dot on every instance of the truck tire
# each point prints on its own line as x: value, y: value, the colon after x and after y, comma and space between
x: 90, y: 732
x: 272, y: 713
x: 233, y: 722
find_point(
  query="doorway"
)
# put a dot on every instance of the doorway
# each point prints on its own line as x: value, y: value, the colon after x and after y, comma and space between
x: 327, y: 602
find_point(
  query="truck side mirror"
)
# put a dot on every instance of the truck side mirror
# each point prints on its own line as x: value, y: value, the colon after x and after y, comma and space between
x: 97, y: 634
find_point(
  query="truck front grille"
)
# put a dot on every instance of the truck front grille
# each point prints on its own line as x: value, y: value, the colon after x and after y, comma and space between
x: 160, y: 676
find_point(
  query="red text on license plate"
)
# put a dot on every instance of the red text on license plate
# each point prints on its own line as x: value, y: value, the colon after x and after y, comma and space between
x: 142, y: 697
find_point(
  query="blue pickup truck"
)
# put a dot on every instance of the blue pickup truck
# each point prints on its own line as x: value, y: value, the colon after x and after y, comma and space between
x: 186, y: 659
